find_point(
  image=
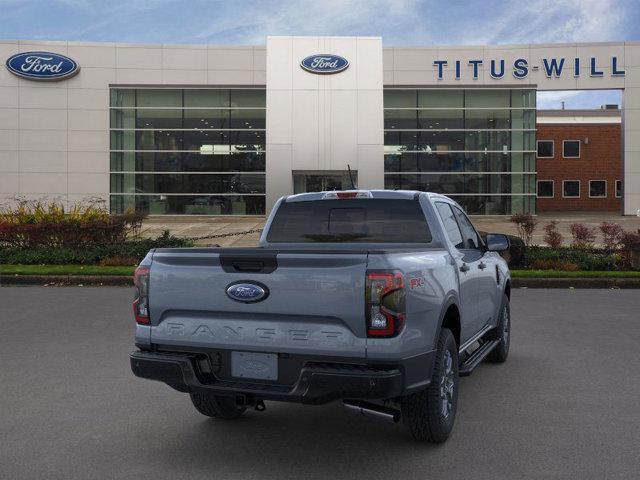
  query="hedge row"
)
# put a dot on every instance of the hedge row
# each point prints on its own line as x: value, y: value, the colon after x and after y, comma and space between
x: 567, y: 258
x: 52, y: 225
x: 126, y: 253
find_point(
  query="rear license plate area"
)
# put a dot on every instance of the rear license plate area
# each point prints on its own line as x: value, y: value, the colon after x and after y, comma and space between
x: 258, y: 366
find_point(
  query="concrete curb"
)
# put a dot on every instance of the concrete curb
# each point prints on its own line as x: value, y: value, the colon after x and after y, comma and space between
x: 127, y: 281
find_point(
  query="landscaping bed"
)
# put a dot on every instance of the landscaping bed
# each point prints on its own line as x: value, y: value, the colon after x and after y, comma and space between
x: 41, y: 242
x: 570, y: 274
x: 128, y: 252
x: 97, y: 275
x: 608, y: 248
x: 66, y: 270
x: 128, y: 271
x: 34, y: 233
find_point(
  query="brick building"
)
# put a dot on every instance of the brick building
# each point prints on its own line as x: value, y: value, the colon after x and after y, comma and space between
x: 579, y: 160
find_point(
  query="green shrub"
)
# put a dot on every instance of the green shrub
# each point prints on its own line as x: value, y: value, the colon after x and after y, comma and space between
x: 541, y: 264
x: 585, y: 259
x: 37, y: 224
x: 90, y: 255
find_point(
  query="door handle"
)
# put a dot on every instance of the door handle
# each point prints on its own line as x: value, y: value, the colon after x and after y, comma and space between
x: 464, y: 268
x: 482, y: 265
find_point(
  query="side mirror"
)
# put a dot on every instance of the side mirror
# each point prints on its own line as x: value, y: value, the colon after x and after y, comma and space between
x: 496, y: 242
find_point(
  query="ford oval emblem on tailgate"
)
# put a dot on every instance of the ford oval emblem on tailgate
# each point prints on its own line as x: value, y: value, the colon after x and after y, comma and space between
x: 247, y: 292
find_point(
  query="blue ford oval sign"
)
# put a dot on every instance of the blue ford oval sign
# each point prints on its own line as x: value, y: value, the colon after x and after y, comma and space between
x: 324, y: 63
x: 42, y: 66
x: 247, y: 292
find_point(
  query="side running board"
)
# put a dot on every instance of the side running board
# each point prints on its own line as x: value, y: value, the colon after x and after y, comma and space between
x: 467, y: 367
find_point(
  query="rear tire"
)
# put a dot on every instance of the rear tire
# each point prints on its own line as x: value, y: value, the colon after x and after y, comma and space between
x: 502, y: 332
x: 216, y: 406
x: 430, y: 414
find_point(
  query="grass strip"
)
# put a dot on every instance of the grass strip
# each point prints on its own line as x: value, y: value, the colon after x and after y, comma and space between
x: 100, y: 270
x: 570, y: 274
x: 64, y: 270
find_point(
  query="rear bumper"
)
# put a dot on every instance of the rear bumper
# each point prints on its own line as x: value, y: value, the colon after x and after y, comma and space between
x: 317, y: 382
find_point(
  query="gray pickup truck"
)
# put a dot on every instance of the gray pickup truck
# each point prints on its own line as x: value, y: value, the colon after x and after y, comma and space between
x: 381, y: 299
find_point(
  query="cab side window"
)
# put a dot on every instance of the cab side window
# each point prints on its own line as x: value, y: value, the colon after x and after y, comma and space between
x: 450, y: 224
x: 471, y: 238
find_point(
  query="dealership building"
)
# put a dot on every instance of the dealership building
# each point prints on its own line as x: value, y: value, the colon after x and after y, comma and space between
x: 226, y: 130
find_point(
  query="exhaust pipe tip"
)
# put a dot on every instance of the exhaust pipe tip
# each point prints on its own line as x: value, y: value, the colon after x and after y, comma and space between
x: 367, y: 409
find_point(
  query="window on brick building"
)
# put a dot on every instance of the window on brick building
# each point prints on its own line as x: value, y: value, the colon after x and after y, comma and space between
x: 571, y: 188
x: 545, y: 149
x: 618, y: 188
x: 545, y: 188
x: 571, y: 148
x: 597, y: 188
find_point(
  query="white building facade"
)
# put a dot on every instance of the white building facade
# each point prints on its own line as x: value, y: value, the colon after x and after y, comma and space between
x: 219, y: 130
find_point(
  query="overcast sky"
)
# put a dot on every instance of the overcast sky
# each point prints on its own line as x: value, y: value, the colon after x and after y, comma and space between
x: 399, y: 22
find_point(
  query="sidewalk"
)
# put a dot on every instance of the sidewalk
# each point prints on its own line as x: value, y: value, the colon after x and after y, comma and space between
x: 198, y: 226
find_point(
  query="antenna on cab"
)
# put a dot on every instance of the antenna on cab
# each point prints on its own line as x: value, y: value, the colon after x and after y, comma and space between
x: 351, y: 177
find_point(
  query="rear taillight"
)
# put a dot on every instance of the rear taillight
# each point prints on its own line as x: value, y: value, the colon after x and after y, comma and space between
x: 141, y: 300
x: 385, y: 303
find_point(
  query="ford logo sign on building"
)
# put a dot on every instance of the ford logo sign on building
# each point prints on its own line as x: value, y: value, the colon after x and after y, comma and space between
x: 42, y: 66
x: 247, y: 292
x: 324, y: 63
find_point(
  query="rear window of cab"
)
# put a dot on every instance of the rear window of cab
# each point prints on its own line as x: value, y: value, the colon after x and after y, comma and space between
x: 350, y: 221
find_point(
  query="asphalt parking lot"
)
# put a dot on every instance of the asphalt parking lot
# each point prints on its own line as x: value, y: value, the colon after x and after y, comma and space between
x: 565, y: 405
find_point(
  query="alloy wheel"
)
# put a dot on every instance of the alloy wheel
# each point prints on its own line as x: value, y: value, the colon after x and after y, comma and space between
x: 447, y: 384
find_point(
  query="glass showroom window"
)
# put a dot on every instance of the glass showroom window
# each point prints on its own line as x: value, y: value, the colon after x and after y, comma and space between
x: 545, y: 148
x: 545, y: 188
x: 597, y: 188
x: 571, y: 188
x: 618, y: 188
x: 477, y: 145
x: 188, y: 151
x: 571, y: 148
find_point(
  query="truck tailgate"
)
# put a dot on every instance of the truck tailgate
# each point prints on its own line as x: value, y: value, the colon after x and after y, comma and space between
x: 315, y: 302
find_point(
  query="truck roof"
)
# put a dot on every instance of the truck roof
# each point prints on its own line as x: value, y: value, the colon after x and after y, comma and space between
x: 387, y: 194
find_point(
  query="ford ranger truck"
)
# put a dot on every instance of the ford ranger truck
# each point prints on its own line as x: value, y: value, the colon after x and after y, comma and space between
x: 380, y: 299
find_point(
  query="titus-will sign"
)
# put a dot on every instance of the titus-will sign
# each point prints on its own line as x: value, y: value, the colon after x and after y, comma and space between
x: 42, y: 66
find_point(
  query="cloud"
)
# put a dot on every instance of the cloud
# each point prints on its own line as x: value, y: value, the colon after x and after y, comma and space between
x: 399, y: 22
x: 578, y: 98
x: 545, y: 21
x: 329, y: 17
x: 542, y: 21
x: 421, y: 22
x: 554, y: 99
